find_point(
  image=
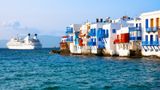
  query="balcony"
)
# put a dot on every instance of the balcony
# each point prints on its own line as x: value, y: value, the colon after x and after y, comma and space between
x: 145, y: 43
x: 69, y: 30
x: 150, y: 43
x: 101, y: 45
x: 92, y: 32
x: 135, y: 38
x: 152, y: 29
x: 155, y: 29
x: 138, y: 29
x: 156, y: 43
x: 148, y: 30
x: 91, y: 43
x: 69, y: 39
x: 101, y: 33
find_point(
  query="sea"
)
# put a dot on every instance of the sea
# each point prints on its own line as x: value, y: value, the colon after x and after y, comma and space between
x: 39, y: 70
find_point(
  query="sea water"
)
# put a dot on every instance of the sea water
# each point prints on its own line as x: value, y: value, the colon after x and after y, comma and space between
x: 39, y: 70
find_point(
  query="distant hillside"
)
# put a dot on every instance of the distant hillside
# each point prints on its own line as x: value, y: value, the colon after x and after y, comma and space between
x: 47, y: 41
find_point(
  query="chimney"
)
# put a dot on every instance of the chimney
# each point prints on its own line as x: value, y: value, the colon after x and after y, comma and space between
x: 35, y: 34
x: 97, y: 20
x: 101, y: 20
x: 29, y: 34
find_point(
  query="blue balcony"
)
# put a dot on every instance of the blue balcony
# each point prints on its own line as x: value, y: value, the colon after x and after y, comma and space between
x: 132, y: 38
x: 76, y: 34
x: 145, y: 43
x: 152, y: 29
x: 101, y: 33
x: 101, y: 46
x: 92, y: 32
x: 91, y: 43
x: 132, y: 29
x: 148, y: 29
x: 156, y: 43
x: 76, y: 41
x: 69, y: 30
x: 138, y: 28
x: 135, y: 38
x: 70, y: 39
x: 155, y: 29
x: 150, y: 43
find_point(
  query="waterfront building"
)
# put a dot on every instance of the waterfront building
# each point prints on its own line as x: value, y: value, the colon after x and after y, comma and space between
x: 83, y: 38
x: 63, y: 43
x: 110, y: 28
x: 128, y: 37
x: 151, y: 33
x: 124, y: 36
x: 96, y: 36
x: 72, y: 40
x: 135, y: 36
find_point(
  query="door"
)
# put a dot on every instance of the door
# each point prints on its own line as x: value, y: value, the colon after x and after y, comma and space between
x: 151, y: 40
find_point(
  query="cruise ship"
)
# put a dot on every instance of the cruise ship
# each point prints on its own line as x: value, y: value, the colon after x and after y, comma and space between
x: 24, y: 43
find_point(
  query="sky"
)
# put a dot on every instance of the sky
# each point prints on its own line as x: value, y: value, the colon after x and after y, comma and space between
x: 51, y: 17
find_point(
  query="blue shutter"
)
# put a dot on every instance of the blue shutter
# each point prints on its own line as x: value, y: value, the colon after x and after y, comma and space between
x: 113, y: 30
x: 146, y: 37
x: 136, y: 25
x: 147, y: 23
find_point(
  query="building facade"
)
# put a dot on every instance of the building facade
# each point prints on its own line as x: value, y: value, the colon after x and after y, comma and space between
x: 151, y: 33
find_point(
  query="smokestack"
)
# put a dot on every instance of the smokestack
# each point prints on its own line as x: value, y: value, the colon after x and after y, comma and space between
x: 97, y: 20
x: 29, y: 34
x: 35, y: 34
x: 101, y: 20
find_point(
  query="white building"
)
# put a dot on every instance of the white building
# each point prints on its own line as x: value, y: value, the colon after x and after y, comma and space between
x: 151, y: 33
x: 93, y: 34
x: 72, y: 38
x: 128, y: 36
x: 110, y: 29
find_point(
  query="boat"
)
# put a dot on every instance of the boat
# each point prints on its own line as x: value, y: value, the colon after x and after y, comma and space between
x: 24, y: 43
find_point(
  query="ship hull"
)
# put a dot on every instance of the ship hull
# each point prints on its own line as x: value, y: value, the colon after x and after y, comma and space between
x: 24, y: 47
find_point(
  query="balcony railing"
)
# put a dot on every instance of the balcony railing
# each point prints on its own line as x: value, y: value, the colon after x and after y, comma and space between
x: 101, y: 33
x: 150, y: 43
x: 101, y: 45
x: 69, y: 30
x: 69, y: 39
x: 131, y: 29
x: 135, y: 38
x: 156, y: 43
x: 145, y: 43
x: 148, y: 29
x: 156, y: 29
x: 92, y: 32
x: 152, y: 29
x: 91, y: 43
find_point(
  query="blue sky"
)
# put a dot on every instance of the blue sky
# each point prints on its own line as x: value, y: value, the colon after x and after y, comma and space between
x: 50, y: 17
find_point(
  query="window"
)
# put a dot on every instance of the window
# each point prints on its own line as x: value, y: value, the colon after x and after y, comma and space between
x: 152, y: 23
x: 157, y: 22
x: 136, y: 25
x: 113, y: 30
x: 140, y: 24
x: 146, y: 37
x: 156, y: 37
x: 107, y: 34
x: 146, y: 23
x: 151, y: 39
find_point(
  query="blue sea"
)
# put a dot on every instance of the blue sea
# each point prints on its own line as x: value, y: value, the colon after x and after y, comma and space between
x: 39, y: 70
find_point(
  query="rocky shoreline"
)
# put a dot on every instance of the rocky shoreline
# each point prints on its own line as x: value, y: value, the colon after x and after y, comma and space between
x: 133, y: 54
